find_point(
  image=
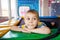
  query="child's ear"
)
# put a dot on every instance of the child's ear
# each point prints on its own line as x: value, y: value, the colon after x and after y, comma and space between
x: 38, y: 20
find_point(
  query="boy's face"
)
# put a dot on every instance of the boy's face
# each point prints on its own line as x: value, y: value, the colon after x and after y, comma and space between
x: 31, y: 20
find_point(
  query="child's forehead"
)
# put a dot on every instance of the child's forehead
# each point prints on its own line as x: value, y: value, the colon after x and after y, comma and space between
x: 31, y: 16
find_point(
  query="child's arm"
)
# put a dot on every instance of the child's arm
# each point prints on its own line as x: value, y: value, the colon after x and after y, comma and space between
x: 43, y: 30
x: 15, y: 28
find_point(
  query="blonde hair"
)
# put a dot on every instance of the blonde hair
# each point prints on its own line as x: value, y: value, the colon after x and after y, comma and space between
x: 33, y: 12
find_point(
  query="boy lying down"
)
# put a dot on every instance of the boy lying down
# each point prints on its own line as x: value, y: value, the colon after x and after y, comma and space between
x: 32, y: 24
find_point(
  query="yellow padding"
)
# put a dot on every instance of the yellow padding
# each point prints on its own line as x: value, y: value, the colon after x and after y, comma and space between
x: 39, y: 23
x: 23, y: 26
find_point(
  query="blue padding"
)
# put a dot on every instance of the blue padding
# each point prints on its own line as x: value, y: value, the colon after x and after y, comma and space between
x: 48, y: 17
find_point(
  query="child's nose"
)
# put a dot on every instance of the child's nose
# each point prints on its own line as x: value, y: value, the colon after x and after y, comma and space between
x: 31, y: 21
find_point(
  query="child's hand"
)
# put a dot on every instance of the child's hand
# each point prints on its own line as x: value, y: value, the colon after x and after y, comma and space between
x: 26, y: 30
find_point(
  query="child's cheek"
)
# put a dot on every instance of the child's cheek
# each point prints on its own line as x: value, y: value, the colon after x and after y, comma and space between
x: 35, y: 22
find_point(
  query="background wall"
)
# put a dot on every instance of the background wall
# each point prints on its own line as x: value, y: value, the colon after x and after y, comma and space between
x: 45, y: 8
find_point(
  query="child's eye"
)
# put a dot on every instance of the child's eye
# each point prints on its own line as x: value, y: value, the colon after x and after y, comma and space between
x: 34, y: 18
x: 28, y: 18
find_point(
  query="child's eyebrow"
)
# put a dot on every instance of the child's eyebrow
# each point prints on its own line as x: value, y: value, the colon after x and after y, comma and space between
x: 35, y: 16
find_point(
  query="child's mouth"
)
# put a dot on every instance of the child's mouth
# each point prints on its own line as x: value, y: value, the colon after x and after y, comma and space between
x: 31, y: 25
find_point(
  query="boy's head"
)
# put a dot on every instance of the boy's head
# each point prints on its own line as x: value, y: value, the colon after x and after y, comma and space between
x: 31, y: 19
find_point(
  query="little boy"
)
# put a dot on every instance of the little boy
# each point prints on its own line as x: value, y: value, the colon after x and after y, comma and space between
x: 32, y: 24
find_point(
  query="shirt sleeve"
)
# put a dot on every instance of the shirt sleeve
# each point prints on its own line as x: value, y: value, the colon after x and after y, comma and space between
x: 42, y: 24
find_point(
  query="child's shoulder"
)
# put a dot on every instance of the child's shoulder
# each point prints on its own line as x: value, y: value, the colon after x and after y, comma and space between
x: 41, y: 24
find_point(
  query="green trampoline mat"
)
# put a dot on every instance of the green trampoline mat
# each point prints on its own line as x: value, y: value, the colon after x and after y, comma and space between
x: 56, y: 38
